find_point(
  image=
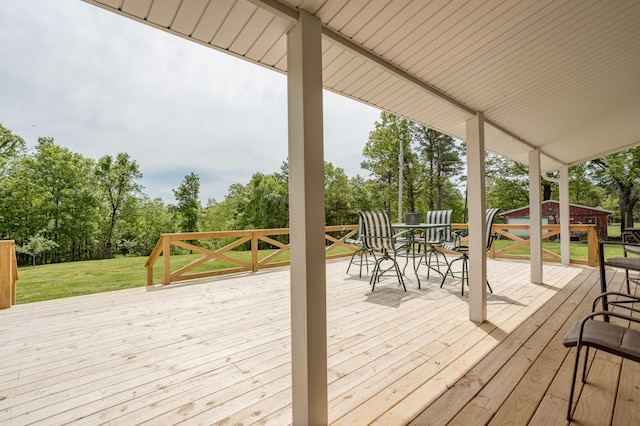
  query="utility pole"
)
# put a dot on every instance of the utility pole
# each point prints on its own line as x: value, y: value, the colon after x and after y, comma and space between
x: 400, y: 169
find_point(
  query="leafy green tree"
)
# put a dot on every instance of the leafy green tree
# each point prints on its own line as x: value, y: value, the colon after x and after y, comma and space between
x: 507, y: 183
x: 67, y: 202
x: 267, y: 202
x: 19, y: 196
x: 582, y: 189
x: 189, y: 208
x: 620, y: 172
x: 364, y: 198
x: 36, y: 245
x: 381, y: 156
x: 116, y: 179
x: 338, y: 197
x: 149, y: 218
x: 11, y: 146
x: 443, y: 160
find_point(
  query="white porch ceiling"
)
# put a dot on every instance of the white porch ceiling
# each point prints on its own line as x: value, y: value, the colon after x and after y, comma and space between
x: 562, y: 75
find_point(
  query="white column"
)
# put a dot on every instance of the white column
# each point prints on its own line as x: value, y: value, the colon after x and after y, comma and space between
x: 306, y: 210
x: 535, y: 216
x: 565, y: 236
x: 477, y: 213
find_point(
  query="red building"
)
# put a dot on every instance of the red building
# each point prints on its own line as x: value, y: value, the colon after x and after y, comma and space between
x: 551, y: 215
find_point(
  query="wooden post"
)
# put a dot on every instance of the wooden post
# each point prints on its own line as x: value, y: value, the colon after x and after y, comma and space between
x: 592, y: 244
x: 166, y: 259
x: 254, y: 251
x: 7, y: 274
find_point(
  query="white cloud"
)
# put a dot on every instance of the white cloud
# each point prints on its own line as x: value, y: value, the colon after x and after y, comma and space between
x: 101, y: 84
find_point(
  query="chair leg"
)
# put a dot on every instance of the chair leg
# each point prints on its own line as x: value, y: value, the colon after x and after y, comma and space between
x: 626, y: 273
x: 375, y: 274
x: 399, y: 274
x: 444, y: 277
x: 377, y: 271
x: 584, y: 366
x: 573, y: 382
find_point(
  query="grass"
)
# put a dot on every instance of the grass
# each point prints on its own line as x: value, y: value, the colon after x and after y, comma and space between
x: 55, y: 281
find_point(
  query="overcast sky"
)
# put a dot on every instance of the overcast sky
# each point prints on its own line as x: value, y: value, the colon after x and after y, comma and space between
x: 100, y: 84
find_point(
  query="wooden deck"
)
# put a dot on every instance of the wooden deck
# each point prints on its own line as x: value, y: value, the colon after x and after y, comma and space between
x: 218, y: 352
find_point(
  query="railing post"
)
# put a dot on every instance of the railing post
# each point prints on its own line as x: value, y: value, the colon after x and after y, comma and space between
x: 166, y: 259
x: 254, y: 251
x: 7, y: 274
x: 150, y: 274
x: 592, y: 244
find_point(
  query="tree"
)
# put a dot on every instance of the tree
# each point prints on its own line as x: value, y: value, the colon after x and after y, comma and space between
x: 620, y: 172
x: 507, y: 183
x: 117, y: 181
x: 10, y: 146
x: 442, y: 159
x: 381, y: 156
x: 67, y: 202
x: 267, y: 202
x: 36, y: 246
x: 188, y: 208
x: 338, y: 198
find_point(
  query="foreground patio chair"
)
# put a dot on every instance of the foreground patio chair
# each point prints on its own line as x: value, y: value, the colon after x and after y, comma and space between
x: 434, y: 237
x: 363, y: 251
x: 604, y: 335
x: 463, y: 250
x: 378, y: 235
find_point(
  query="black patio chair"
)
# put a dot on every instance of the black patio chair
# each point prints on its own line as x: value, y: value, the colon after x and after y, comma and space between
x: 378, y: 235
x: 463, y: 251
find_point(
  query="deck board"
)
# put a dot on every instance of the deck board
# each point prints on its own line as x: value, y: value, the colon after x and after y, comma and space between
x: 218, y: 351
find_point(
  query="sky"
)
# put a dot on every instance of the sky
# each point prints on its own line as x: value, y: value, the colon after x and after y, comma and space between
x: 100, y: 84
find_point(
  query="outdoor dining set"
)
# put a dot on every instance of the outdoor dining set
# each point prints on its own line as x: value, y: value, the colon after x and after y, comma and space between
x: 432, y: 243
x: 612, y: 325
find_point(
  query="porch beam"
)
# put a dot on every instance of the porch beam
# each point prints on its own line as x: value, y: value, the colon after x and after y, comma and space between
x: 535, y: 216
x: 477, y: 213
x: 306, y: 210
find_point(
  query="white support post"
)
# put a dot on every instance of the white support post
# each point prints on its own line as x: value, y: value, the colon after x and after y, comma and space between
x: 565, y: 221
x: 535, y: 217
x: 306, y: 210
x: 477, y: 215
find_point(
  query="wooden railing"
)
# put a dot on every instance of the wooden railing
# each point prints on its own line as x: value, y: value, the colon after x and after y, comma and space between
x: 8, y: 274
x: 276, y: 255
x: 549, y: 232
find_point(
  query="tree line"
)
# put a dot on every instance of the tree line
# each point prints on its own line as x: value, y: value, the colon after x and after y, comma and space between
x: 61, y: 206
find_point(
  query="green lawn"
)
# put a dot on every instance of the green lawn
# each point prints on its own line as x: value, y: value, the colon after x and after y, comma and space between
x: 55, y: 281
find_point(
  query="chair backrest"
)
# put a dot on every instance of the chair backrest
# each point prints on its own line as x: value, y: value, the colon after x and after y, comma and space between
x: 440, y: 234
x: 377, y: 233
x: 490, y: 236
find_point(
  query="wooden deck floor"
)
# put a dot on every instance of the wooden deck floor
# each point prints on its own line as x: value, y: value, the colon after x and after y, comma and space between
x: 218, y: 352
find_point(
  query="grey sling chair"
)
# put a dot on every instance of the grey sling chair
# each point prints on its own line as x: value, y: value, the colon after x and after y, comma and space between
x: 363, y: 251
x: 379, y: 236
x: 463, y: 250
x: 434, y: 237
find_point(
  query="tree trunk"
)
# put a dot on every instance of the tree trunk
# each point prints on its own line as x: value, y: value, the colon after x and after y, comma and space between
x: 546, y: 191
x: 627, y: 203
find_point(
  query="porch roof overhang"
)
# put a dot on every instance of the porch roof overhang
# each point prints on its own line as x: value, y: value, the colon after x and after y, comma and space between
x: 559, y: 76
